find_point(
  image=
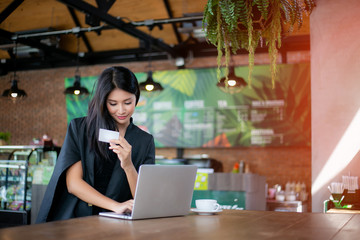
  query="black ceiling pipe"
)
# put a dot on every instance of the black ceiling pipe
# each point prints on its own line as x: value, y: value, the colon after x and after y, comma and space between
x: 119, y: 24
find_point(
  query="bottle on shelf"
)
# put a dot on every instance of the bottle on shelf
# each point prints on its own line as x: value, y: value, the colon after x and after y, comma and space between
x: 235, y: 168
x: 242, y: 167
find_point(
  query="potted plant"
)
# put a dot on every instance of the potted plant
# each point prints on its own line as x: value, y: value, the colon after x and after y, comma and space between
x: 244, y: 24
x: 4, y: 138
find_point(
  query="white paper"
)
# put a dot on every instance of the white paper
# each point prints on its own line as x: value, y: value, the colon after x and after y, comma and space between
x: 106, y: 135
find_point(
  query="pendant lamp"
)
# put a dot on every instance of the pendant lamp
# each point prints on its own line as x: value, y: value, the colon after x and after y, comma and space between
x: 150, y: 85
x: 232, y: 84
x: 14, y: 93
x: 77, y: 89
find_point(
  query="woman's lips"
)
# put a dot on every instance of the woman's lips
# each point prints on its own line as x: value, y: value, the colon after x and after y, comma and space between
x: 122, y: 117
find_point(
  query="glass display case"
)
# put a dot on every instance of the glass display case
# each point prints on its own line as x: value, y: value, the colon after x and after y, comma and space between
x: 15, y: 193
x: 18, y: 164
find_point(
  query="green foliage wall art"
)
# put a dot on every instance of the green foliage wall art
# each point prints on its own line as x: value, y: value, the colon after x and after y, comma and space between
x: 192, y: 111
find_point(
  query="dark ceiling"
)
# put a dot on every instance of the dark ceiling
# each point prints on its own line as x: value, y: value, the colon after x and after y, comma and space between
x: 49, y: 33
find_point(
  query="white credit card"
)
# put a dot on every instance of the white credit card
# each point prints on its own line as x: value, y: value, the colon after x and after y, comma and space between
x: 106, y: 135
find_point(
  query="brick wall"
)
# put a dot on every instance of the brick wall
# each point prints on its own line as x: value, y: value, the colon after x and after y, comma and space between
x: 44, y: 111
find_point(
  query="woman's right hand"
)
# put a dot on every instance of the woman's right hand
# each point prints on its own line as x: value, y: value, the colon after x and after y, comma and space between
x: 124, y: 206
x: 81, y: 189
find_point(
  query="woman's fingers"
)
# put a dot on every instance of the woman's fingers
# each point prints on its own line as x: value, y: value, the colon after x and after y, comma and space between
x: 119, y: 144
x: 117, y: 148
x: 123, y: 150
x: 120, y: 141
x: 125, y: 206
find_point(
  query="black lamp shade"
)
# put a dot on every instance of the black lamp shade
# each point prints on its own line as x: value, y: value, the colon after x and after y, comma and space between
x: 233, y: 84
x: 76, y: 89
x: 14, y: 92
x: 150, y: 85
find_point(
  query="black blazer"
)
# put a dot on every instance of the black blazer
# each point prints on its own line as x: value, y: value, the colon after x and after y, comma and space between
x: 58, y: 203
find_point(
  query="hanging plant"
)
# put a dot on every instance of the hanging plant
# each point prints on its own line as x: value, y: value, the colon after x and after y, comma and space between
x: 4, y: 138
x: 231, y: 25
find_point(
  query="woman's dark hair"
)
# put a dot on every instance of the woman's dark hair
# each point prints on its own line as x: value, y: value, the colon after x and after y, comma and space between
x: 98, y: 115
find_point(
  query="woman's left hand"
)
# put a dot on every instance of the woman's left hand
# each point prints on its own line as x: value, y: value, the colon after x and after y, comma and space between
x: 123, y: 150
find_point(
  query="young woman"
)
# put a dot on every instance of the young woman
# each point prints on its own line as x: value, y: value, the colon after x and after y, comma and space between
x: 92, y: 176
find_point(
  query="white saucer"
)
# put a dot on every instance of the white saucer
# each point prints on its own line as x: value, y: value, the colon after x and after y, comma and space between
x: 205, y: 212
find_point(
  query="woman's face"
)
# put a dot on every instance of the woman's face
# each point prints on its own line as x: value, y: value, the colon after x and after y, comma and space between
x: 121, y: 106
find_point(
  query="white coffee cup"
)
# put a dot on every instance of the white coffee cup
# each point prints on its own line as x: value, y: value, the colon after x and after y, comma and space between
x: 207, y: 205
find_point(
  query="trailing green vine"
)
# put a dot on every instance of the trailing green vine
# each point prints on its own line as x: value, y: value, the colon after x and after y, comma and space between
x: 231, y: 25
x: 5, y: 136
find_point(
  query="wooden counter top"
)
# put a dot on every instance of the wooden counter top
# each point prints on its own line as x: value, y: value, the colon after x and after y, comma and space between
x: 229, y: 224
x: 335, y: 210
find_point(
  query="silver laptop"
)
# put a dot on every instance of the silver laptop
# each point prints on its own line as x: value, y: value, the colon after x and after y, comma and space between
x: 162, y: 191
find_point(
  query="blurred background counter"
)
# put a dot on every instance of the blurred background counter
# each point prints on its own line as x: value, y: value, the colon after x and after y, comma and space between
x: 24, y: 170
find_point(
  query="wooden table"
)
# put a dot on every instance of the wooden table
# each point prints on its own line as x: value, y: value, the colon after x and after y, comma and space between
x: 229, y: 224
x: 336, y: 210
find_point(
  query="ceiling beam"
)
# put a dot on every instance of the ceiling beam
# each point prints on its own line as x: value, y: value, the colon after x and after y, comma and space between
x: 105, y: 5
x: 9, y: 9
x: 65, y: 59
x: 82, y: 35
x: 168, y: 9
x: 119, y: 24
x: 48, y: 50
x: 94, y: 58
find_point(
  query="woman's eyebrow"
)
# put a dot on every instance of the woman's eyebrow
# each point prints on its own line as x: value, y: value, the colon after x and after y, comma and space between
x: 127, y: 99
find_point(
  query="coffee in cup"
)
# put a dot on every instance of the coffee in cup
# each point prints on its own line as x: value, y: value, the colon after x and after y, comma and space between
x: 207, y: 205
